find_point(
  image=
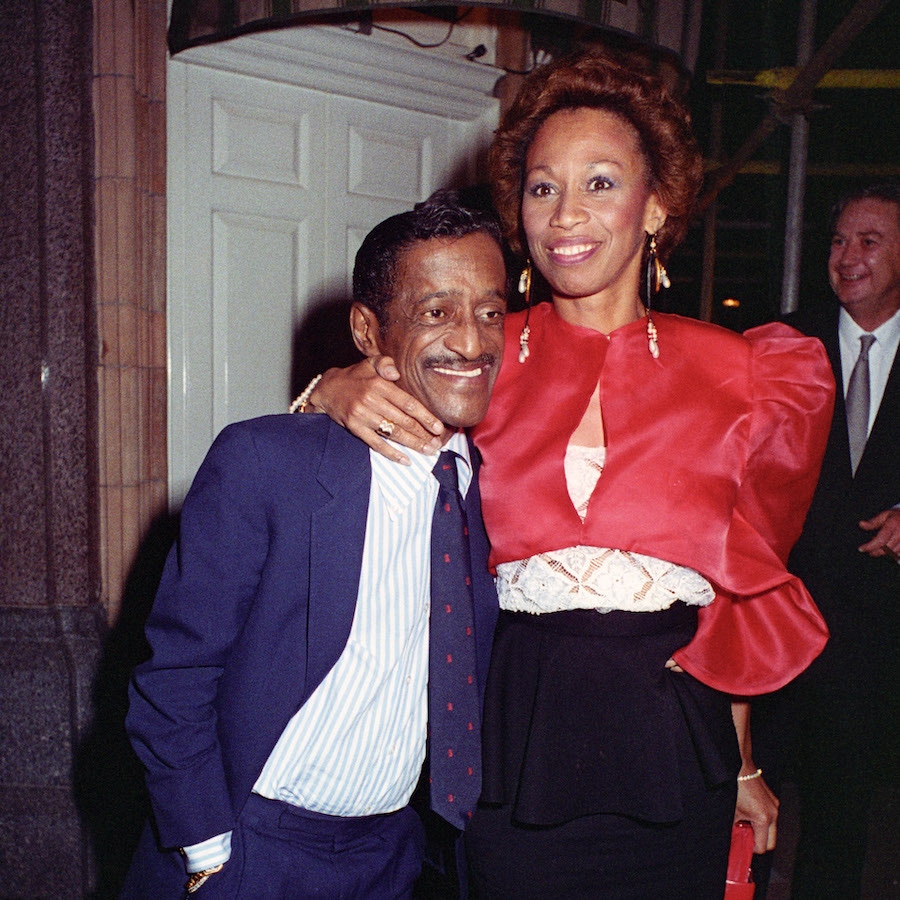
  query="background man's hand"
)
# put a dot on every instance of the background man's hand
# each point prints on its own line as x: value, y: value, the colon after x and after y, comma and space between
x: 886, y: 540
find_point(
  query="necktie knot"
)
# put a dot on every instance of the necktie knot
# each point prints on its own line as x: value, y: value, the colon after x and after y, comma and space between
x: 865, y: 342
x: 445, y: 471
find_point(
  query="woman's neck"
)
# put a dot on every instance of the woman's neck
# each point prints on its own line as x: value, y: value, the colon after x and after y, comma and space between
x: 598, y: 313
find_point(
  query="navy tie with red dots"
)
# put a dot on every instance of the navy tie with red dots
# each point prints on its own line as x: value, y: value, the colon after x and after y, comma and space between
x: 453, y: 704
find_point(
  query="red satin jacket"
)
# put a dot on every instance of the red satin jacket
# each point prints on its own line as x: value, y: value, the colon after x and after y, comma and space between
x: 713, y: 452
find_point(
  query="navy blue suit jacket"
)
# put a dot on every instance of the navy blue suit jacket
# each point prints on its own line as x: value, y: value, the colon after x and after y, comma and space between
x: 254, y: 608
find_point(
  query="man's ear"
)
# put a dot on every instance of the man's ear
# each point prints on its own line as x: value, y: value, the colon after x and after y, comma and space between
x: 365, y: 330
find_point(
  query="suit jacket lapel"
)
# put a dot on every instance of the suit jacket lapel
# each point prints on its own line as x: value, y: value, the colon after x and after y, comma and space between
x: 836, y: 465
x: 883, y: 439
x: 886, y: 428
x: 337, y: 537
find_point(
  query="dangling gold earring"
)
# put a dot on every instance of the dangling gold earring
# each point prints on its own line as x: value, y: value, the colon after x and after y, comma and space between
x: 657, y: 277
x: 525, y: 288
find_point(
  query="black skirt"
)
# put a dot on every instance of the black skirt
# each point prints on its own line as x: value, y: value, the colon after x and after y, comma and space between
x: 605, y: 774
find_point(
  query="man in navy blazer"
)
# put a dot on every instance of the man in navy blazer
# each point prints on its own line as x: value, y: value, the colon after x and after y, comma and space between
x: 269, y: 595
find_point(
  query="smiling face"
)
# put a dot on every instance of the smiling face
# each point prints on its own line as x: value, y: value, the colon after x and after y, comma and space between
x: 587, y: 205
x: 864, y: 263
x: 444, y: 325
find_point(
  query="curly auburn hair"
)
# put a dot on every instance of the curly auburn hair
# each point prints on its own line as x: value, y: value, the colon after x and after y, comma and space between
x: 606, y: 82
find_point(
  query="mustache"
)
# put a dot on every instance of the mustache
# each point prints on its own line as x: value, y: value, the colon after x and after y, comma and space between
x: 459, y: 362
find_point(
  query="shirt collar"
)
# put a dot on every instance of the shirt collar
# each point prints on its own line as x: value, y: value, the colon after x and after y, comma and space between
x: 400, y: 484
x: 886, y: 333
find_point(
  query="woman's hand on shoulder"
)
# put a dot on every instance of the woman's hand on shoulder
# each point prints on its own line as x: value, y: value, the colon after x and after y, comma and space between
x: 363, y: 399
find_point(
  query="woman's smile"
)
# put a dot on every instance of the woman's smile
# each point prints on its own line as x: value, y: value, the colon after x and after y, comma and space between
x: 587, y: 205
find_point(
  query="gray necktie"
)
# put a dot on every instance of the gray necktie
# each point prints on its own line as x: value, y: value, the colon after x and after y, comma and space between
x: 858, y: 401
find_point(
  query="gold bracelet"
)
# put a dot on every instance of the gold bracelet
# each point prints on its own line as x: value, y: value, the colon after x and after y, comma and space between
x: 750, y: 777
x: 299, y: 405
x: 197, y: 879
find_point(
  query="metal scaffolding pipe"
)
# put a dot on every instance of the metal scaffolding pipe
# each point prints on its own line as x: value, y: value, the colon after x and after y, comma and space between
x: 796, y: 97
x: 707, y: 280
x: 793, y: 226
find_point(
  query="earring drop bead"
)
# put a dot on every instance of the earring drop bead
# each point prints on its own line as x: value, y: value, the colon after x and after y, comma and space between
x: 524, y: 352
x: 652, y: 338
x: 525, y: 288
x: 656, y: 277
x: 525, y: 279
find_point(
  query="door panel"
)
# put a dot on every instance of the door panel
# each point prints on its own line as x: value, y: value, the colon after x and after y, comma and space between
x: 273, y: 184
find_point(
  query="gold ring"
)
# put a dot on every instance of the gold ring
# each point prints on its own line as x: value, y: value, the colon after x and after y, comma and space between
x: 385, y: 428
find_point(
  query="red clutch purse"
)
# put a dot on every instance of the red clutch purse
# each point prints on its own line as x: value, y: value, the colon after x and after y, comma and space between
x: 738, y: 881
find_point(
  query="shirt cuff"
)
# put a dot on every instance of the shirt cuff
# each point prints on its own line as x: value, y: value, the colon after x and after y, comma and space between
x: 208, y: 854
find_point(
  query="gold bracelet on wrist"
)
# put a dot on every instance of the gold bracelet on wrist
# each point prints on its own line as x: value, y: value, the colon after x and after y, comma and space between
x: 751, y: 776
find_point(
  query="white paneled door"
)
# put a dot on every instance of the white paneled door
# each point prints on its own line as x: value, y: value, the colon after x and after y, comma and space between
x: 284, y: 150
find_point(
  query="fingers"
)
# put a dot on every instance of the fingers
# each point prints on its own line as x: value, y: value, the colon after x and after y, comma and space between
x: 412, y: 420
x: 374, y: 408
x: 388, y: 448
x: 409, y: 415
x: 414, y: 426
x: 877, y: 547
x: 765, y: 836
x: 765, y: 833
x: 759, y: 806
x: 380, y: 445
x: 886, y: 540
x: 386, y: 415
x: 870, y: 524
x: 385, y: 367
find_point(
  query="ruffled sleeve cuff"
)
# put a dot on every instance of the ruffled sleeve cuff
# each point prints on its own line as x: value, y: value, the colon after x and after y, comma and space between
x: 751, y: 643
x: 755, y: 645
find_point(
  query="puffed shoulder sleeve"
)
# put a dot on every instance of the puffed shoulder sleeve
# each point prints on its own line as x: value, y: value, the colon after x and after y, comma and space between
x: 793, y: 400
x: 764, y: 629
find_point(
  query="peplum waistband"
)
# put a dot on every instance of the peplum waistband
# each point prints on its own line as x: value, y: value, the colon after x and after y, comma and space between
x: 582, y: 717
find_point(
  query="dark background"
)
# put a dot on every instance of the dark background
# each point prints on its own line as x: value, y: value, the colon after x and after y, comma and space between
x: 853, y: 136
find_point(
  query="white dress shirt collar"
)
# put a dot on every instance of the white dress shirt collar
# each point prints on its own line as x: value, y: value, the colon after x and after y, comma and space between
x: 881, y: 354
x: 400, y: 484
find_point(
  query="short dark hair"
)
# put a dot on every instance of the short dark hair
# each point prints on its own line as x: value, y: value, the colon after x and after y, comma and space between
x: 888, y: 191
x: 442, y: 215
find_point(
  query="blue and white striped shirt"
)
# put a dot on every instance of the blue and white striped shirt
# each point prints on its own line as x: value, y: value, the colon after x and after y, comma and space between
x: 356, y: 747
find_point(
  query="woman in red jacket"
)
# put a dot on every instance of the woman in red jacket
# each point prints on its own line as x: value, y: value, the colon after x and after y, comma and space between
x: 644, y: 478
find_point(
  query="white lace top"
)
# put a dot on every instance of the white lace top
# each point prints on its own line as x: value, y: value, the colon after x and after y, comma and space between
x: 595, y: 577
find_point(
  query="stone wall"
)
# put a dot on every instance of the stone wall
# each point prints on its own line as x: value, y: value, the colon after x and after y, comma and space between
x: 50, y: 630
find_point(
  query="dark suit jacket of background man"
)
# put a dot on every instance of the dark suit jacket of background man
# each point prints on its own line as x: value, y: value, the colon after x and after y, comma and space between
x: 852, y: 588
x: 286, y: 551
x: 846, y: 704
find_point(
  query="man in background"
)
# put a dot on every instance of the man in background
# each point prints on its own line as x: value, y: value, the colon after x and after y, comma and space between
x: 844, y: 709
